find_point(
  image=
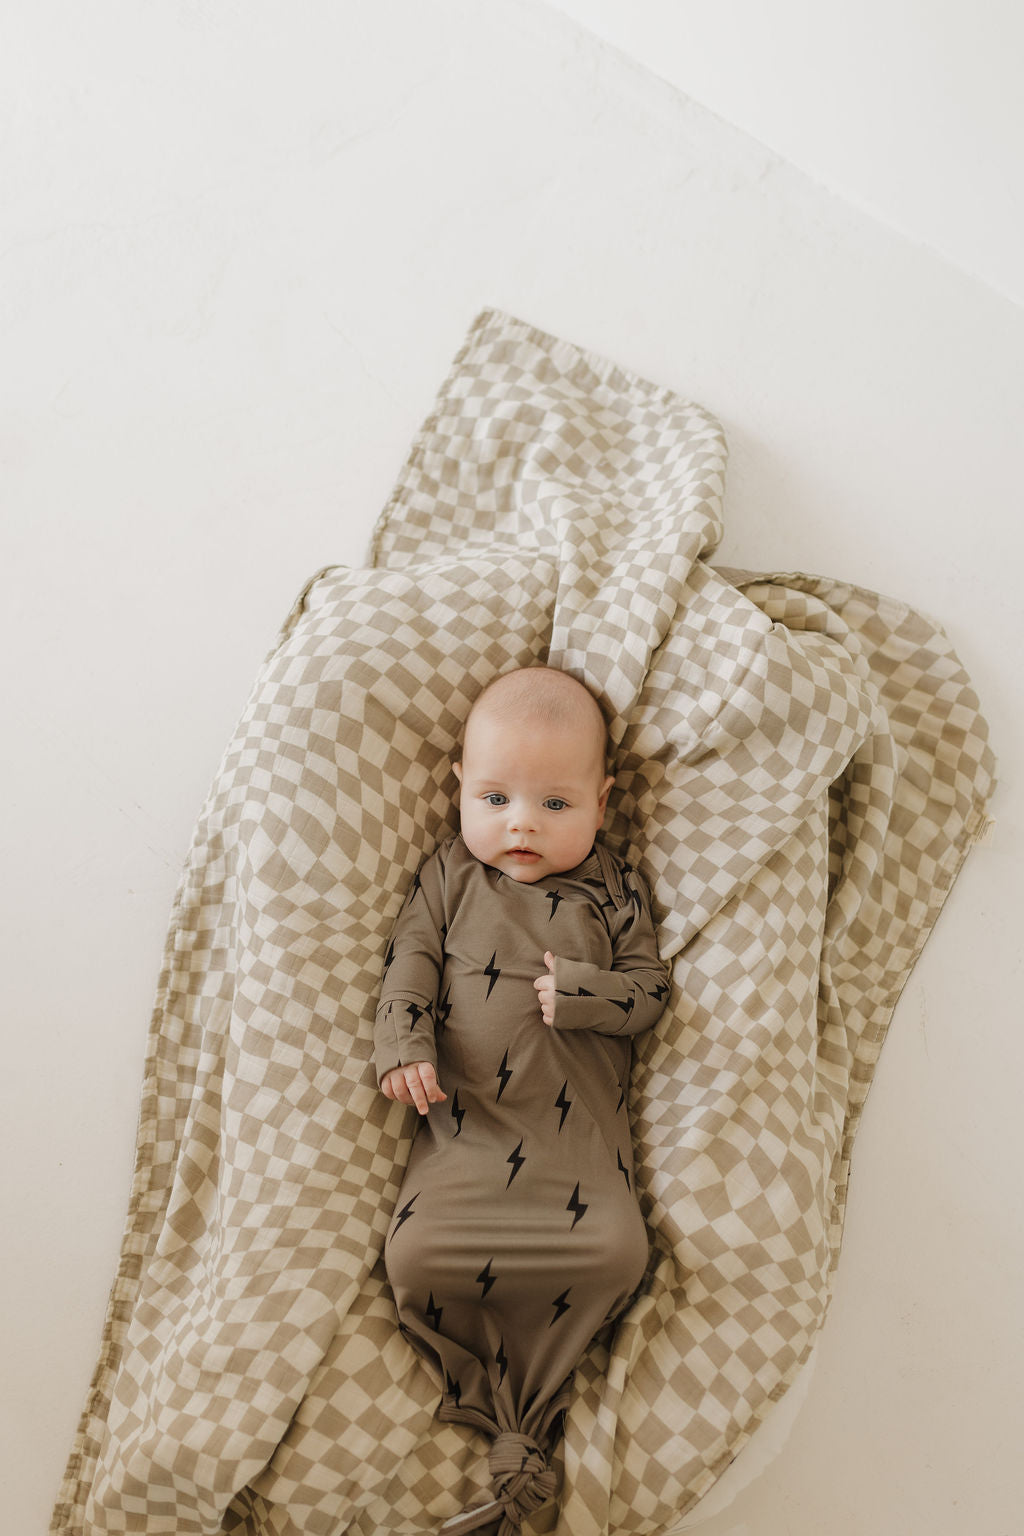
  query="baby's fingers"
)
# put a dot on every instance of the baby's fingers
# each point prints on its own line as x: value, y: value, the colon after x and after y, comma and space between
x: 545, y: 988
x: 416, y: 1084
x: 431, y: 1087
x: 414, y: 1093
x: 421, y: 1082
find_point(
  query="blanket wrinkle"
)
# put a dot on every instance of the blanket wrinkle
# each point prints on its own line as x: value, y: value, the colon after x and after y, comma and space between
x: 801, y: 766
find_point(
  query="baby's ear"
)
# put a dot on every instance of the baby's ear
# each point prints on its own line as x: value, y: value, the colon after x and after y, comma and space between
x: 605, y: 790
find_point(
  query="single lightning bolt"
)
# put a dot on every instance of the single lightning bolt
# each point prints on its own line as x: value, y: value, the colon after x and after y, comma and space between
x: 415, y: 1014
x: 576, y: 1205
x: 561, y: 1304
x: 504, y: 1072
x: 453, y: 1387
x: 405, y: 1213
x: 660, y: 992
x: 434, y: 1313
x: 492, y: 972
x: 624, y: 1171
x: 622, y: 1100
x: 554, y: 897
x: 516, y: 1161
x: 390, y: 954
x: 563, y: 1103
x: 502, y: 1360
x: 485, y: 1278
x: 457, y: 1113
x: 444, y: 1009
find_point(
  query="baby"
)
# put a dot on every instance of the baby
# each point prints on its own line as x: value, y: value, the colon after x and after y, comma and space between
x: 523, y: 960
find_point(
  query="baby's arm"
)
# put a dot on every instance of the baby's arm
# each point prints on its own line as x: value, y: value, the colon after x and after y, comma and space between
x: 625, y: 1000
x: 403, y: 1037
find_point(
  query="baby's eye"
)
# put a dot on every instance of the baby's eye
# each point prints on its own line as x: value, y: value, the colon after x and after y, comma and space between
x: 496, y: 798
x: 554, y: 804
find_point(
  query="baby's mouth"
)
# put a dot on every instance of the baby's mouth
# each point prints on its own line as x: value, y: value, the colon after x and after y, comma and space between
x: 523, y: 853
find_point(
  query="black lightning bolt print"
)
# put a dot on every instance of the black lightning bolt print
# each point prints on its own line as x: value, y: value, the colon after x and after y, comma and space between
x: 504, y: 1072
x: 660, y: 992
x: 554, y: 897
x: 457, y: 1114
x: 453, y: 1388
x: 492, y: 972
x: 516, y: 1161
x: 415, y: 1014
x: 390, y: 954
x: 577, y: 1206
x: 563, y: 1103
x: 434, y: 1313
x: 485, y: 1278
x: 502, y: 1361
x: 622, y: 1100
x: 561, y: 1306
x: 405, y: 1213
x: 444, y: 1010
x: 624, y: 1171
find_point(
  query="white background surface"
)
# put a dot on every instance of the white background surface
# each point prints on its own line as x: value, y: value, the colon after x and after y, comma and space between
x: 239, y: 246
x: 910, y: 109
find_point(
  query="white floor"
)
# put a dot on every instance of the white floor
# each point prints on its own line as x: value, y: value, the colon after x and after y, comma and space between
x: 241, y: 247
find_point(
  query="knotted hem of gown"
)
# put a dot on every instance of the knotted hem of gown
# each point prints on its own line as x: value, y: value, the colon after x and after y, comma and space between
x: 528, y: 1481
x: 523, y: 1482
x: 521, y: 1476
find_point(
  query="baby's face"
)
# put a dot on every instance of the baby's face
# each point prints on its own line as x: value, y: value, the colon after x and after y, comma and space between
x: 533, y: 798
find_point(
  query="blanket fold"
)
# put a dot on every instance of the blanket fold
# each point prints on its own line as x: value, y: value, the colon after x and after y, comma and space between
x: 801, y: 769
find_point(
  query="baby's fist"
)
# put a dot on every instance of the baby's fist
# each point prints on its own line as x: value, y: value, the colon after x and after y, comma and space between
x: 415, y: 1084
x: 545, y: 989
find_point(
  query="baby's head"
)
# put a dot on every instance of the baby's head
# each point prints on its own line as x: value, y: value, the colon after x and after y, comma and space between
x: 533, y: 774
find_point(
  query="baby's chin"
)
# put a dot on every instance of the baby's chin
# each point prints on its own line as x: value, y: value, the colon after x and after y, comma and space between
x: 529, y: 871
x: 524, y: 876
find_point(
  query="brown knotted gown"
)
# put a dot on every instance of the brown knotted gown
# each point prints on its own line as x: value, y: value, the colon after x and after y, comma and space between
x: 517, y: 1234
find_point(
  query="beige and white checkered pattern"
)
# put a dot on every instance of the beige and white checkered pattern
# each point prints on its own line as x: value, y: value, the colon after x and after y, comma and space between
x: 801, y: 770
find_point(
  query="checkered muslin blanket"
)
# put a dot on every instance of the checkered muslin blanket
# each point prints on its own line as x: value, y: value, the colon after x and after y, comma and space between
x: 802, y: 769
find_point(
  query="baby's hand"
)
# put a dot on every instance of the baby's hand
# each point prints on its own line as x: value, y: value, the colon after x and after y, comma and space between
x: 545, y: 986
x: 415, y: 1084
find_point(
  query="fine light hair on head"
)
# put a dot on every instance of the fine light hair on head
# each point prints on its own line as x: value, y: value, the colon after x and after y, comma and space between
x: 546, y: 694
